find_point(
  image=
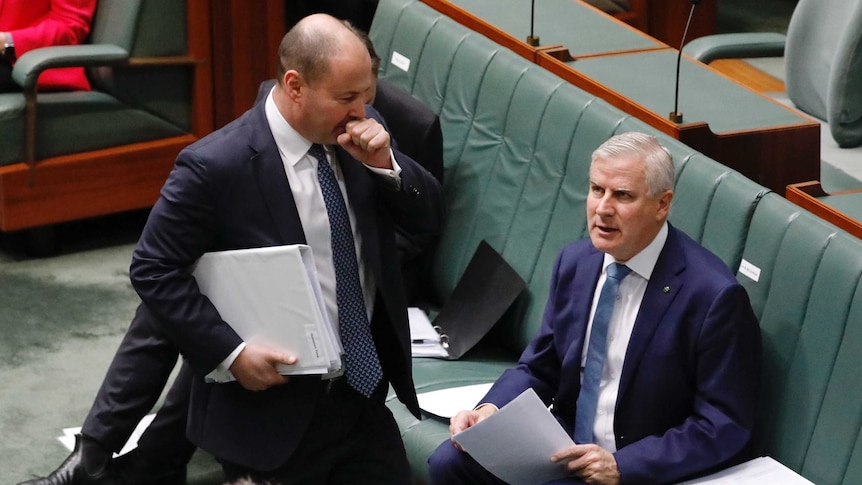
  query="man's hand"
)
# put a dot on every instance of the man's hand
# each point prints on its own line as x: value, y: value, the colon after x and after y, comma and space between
x: 255, y: 367
x: 590, y: 463
x: 367, y: 141
x: 466, y: 419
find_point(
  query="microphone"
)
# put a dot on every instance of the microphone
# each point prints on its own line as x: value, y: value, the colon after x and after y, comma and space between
x: 531, y: 39
x: 676, y: 115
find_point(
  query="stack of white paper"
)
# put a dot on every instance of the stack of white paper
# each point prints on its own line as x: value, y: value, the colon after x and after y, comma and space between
x: 425, y: 338
x: 271, y: 296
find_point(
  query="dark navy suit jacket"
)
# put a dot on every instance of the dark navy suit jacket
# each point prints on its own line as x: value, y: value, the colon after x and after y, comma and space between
x: 691, y: 375
x: 229, y: 191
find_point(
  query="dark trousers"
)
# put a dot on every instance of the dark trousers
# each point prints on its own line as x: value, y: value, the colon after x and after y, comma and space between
x: 134, y: 381
x: 350, y: 440
x: 450, y: 466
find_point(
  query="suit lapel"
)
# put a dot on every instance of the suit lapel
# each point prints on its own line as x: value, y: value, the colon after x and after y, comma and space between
x: 590, y: 268
x: 664, y: 284
x: 269, y: 170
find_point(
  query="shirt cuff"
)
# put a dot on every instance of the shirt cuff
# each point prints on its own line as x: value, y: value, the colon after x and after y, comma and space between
x: 222, y: 372
x: 393, y: 175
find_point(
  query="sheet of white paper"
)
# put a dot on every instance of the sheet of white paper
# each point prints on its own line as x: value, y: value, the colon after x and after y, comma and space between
x: 516, y: 442
x: 445, y: 403
x: 759, y: 471
x: 268, y: 296
x: 426, y: 340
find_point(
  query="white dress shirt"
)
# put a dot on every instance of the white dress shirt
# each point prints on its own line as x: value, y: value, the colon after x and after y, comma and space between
x: 622, y: 322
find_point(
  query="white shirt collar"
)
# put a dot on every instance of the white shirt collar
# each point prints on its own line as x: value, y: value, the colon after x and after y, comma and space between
x: 291, y: 145
x: 643, y: 263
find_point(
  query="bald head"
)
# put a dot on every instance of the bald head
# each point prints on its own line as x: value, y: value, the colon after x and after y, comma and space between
x: 313, y: 42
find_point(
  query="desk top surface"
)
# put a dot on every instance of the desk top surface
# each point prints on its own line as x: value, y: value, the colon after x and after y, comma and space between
x: 647, y: 78
x: 572, y: 24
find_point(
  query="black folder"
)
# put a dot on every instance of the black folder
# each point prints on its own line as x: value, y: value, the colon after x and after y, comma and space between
x: 485, y: 291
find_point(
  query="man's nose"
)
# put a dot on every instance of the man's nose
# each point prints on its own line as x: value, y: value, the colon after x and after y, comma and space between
x: 357, y: 109
x: 605, y: 206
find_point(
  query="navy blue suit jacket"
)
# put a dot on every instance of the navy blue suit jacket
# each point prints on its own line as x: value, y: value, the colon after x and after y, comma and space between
x: 229, y: 191
x: 691, y: 374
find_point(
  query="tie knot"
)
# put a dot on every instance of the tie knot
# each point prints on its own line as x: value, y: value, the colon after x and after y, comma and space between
x: 317, y: 151
x: 618, y: 271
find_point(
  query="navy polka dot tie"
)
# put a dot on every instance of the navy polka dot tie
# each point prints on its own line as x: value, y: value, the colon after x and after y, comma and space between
x: 588, y: 398
x: 363, y: 366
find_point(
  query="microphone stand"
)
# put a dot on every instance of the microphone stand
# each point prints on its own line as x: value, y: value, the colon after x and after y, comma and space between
x: 676, y: 115
x: 531, y: 39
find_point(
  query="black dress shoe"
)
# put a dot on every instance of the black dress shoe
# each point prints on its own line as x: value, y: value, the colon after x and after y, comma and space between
x: 71, y: 472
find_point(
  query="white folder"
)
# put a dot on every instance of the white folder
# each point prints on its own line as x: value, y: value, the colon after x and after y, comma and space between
x: 271, y: 296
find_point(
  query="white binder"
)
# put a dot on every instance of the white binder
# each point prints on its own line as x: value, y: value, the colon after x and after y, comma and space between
x: 271, y: 296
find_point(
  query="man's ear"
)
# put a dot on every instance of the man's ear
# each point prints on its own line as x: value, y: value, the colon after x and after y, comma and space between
x: 293, y: 84
x: 664, y: 201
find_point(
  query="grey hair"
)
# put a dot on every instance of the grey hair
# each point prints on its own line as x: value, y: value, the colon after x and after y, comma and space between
x: 658, y: 159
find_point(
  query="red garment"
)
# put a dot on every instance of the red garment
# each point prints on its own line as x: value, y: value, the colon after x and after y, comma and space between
x: 42, y: 23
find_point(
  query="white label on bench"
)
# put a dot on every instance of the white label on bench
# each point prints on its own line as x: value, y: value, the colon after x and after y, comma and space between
x: 400, y: 61
x: 749, y: 270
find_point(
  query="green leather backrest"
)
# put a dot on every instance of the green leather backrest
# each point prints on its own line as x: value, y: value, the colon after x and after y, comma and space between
x: 150, y: 28
x: 803, y: 278
x: 517, y: 147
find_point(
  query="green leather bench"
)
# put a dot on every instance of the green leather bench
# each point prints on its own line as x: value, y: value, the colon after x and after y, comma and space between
x: 517, y: 146
x: 808, y: 298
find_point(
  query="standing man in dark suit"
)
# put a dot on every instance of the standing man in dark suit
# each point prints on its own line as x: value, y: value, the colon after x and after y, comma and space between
x: 671, y: 390
x: 255, y: 183
x: 147, y: 355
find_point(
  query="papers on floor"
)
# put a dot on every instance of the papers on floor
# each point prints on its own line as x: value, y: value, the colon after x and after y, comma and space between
x: 531, y: 435
x: 271, y: 296
x: 446, y: 403
x: 759, y: 471
x: 68, y: 437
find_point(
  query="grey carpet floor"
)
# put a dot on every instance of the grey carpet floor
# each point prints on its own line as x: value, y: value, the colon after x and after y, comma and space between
x: 61, y: 320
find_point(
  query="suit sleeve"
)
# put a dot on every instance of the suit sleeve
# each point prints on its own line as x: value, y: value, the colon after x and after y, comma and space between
x: 417, y: 206
x: 180, y: 228
x: 722, y: 417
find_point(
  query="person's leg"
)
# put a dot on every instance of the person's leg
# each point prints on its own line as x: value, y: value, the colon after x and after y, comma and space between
x: 134, y: 381
x: 450, y: 466
x: 164, y: 441
x: 374, y: 452
x: 350, y: 440
x: 163, y: 451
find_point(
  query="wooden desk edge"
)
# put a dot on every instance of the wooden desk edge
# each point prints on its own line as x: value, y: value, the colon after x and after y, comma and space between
x: 805, y: 195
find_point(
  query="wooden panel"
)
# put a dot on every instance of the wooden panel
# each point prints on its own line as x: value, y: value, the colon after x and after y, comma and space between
x: 86, y: 184
x: 667, y: 19
x: 806, y: 195
x: 744, y: 73
x: 245, y: 46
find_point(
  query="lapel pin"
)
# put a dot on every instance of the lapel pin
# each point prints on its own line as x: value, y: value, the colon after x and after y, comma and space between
x: 666, y: 289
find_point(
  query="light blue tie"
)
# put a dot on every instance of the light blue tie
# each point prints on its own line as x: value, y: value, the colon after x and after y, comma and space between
x: 589, y: 396
x: 363, y: 366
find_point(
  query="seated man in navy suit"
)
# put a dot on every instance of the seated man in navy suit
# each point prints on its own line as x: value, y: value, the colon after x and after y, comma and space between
x: 658, y: 381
